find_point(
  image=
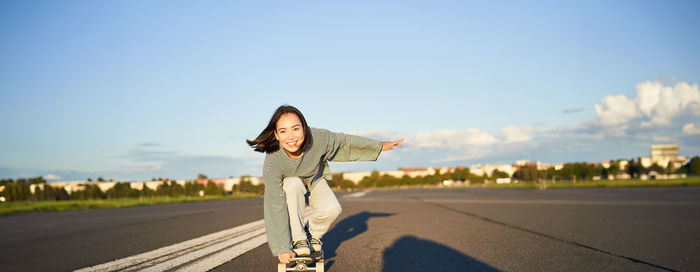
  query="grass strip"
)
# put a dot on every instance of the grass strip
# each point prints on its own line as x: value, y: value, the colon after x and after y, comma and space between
x: 9, y: 208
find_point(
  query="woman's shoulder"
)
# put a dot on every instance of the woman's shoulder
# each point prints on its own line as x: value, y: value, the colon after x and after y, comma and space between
x: 273, y: 155
x: 319, y: 130
x: 320, y: 134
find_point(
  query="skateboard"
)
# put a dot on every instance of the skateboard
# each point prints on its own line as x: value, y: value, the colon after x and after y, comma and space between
x: 304, y: 263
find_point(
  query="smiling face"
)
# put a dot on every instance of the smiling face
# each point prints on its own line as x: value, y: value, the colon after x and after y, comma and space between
x: 290, y: 134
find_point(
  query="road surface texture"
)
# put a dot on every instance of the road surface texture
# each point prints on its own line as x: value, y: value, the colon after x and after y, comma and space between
x: 627, y: 229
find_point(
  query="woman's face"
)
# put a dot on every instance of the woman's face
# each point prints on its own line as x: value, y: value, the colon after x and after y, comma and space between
x: 290, y: 134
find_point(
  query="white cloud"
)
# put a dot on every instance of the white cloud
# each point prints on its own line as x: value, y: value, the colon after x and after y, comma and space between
x: 515, y: 134
x: 691, y: 129
x: 655, y: 105
x: 615, y: 110
x: 648, y: 96
x: 451, y: 139
x: 690, y: 97
x: 660, y: 103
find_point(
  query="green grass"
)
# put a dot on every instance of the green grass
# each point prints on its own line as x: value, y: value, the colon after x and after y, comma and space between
x: 685, y: 182
x: 8, y: 208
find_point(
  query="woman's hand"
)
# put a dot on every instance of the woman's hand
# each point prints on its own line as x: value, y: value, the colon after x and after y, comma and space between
x: 285, y: 257
x: 390, y: 145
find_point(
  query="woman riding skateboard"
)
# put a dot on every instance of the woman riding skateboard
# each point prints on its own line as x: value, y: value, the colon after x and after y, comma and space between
x: 299, y: 169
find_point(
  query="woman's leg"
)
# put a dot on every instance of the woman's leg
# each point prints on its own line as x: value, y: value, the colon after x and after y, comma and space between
x: 295, y: 190
x: 326, y: 209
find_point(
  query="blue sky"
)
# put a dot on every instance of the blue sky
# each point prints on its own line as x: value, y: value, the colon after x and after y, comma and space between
x: 131, y: 90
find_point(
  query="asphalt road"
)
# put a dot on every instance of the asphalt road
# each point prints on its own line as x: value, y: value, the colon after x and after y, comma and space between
x: 67, y: 241
x: 631, y: 229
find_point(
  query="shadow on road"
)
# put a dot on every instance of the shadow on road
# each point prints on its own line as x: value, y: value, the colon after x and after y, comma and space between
x: 410, y: 253
x: 346, y: 230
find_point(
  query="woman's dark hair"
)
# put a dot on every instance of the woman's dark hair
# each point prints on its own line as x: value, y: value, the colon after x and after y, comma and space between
x: 266, y: 142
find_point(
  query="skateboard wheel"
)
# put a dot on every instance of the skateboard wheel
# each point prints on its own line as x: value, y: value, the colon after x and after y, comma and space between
x: 281, y: 267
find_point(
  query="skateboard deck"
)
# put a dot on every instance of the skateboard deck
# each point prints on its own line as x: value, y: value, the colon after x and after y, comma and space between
x: 314, y: 262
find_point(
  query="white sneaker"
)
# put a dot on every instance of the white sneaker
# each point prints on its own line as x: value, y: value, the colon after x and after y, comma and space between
x: 316, y: 244
x: 301, y: 248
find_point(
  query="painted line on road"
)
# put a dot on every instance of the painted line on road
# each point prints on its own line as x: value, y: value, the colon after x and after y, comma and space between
x: 357, y: 194
x: 198, y: 254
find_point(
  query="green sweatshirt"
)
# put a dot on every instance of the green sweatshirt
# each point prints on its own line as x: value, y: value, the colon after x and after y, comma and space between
x: 310, y: 167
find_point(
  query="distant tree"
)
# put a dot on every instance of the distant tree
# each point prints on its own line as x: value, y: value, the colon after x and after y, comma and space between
x: 49, y: 193
x: 656, y: 168
x: 604, y: 173
x: 614, y: 168
x: 386, y: 181
x: 100, y: 179
x: 334, y: 177
x: 499, y: 174
x: 526, y: 173
x: 369, y: 181
x: 17, y: 190
x: 176, y: 190
x: 163, y: 189
x: 344, y: 184
x: 337, y: 181
x: 669, y: 168
x: 36, y: 180
x: 212, y: 189
x: 121, y: 190
x: 147, y: 192
x: 431, y: 179
x: 193, y: 188
x: 201, y: 177
x: 694, y: 166
x: 634, y: 168
x: 91, y: 192
x: 89, y: 179
x: 460, y: 173
x: 246, y: 186
x: 3, y: 182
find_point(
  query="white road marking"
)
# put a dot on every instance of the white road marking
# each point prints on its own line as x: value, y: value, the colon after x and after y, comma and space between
x: 234, y: 242
x: 357, y: 194
x: 199, y: 254
x: 225, y: 255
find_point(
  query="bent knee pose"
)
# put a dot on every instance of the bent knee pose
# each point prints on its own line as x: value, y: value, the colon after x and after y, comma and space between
x: 295, y: 170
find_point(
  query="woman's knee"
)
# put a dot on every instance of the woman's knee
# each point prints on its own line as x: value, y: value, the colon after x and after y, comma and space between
x: 293, y: 185
x: 330, y: 212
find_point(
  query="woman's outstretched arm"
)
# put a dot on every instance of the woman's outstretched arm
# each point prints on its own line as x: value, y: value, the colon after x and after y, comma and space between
x: 390, y: 145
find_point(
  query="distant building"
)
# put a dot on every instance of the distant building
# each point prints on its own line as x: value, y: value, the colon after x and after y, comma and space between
x: 623, y: 165
x: 502, y: 180
x: 664, y: 156
x: 228, y: 183
x: 664, y: 152
x: 356, y: 177
x: 487, y: 169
